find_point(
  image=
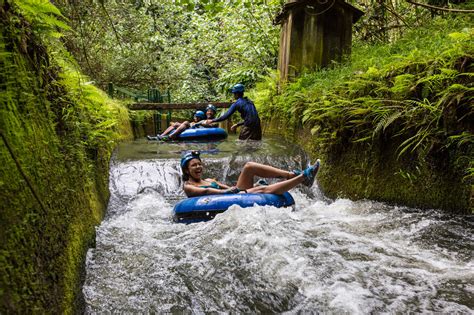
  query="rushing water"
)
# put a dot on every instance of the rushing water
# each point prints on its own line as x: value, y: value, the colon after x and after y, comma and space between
x: 331, y: 256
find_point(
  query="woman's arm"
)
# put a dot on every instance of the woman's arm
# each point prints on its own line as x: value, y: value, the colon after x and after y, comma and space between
x: 226, y: 189
x: 194, y: 191
x: 209, y: 125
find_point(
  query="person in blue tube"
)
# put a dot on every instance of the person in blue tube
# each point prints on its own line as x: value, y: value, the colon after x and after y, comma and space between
x: 176, y: 128
x: 194, y: 185
x: 251, y: 128
x: 200, y: 119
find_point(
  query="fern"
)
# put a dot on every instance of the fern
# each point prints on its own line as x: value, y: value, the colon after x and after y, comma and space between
x: 43, y: 16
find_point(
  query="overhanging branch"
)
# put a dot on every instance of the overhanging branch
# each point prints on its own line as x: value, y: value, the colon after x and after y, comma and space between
x: 439, y: 8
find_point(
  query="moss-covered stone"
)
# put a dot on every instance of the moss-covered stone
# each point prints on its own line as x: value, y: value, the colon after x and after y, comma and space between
x: 57, y: 134
x: 374, y: 171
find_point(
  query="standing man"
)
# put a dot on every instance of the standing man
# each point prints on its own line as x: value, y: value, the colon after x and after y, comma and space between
x: 251, y: 129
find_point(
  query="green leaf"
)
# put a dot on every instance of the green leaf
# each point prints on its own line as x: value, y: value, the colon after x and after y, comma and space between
x: 315, y: 130
x: 460, y: 36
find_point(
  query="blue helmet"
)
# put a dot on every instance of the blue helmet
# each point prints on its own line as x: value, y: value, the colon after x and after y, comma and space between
x: 200, y: 114
x: 211, y: 107
x: 238, y: 88
x: 188, y: 156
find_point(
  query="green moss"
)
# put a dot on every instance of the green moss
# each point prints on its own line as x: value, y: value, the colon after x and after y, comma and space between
x: 374, y: 171
x: 57, y: 134
x: 360, y: 171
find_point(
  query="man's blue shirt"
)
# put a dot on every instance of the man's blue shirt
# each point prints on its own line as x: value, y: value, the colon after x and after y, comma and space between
x: 247, y: 111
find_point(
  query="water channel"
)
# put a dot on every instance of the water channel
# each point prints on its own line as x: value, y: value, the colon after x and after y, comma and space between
x: 330, y: 256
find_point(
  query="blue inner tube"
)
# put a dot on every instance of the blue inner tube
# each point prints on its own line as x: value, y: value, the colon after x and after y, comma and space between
x: 203, y: 208
x: 202, y: 134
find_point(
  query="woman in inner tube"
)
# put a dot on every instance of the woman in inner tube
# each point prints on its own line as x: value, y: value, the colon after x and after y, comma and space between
x: 199, y: 121
x: 173, y: 131
x: 194, y: 185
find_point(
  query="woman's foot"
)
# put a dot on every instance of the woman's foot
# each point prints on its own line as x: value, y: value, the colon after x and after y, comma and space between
x: 296, y: 172
x: 310, y: 173
x: 293, y: 174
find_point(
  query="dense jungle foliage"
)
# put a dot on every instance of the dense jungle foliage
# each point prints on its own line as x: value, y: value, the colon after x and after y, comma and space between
x: 195, y: 51
x: 404, y: 110
x: 198, y: 49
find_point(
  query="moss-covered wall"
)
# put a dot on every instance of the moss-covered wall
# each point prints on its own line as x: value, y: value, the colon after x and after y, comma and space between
x: 374, y: 171
x: 56, y: 136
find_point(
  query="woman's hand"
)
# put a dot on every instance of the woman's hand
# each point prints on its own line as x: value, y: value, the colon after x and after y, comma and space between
x: 232, y: 190
x: 234, y: 127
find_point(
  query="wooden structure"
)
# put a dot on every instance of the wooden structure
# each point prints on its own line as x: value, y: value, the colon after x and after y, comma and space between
x: 313, y: 33
x: 172, y: 106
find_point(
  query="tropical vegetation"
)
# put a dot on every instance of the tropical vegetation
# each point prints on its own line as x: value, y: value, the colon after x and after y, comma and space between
x: 418, y: 88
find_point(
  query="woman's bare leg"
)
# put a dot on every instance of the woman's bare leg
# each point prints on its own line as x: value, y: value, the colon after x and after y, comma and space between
x: 172, y: 127
x: 277, y: 188
x: 180, y: 129
x: 167, y: 131
x: 252, y: 169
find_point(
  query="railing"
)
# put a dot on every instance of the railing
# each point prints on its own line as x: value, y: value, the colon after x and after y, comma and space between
x: 152, y: 96
x: 153, y: 99
x: 175, y: 106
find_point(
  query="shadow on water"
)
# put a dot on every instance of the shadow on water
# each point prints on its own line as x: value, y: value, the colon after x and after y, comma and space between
x: 327, y: 256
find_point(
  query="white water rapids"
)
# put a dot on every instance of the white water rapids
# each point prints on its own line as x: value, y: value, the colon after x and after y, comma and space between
x: 328, y: 256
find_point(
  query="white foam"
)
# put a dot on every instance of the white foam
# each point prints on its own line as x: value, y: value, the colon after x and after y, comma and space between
x: 334, y: 257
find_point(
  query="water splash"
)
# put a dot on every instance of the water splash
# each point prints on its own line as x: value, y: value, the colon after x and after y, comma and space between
x: 324, y: 256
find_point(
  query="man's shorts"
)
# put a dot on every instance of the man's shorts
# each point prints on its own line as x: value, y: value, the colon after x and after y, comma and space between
x: 250, y: 133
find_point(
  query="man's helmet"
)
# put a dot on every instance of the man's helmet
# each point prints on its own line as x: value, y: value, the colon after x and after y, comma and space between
x: 238, y: 88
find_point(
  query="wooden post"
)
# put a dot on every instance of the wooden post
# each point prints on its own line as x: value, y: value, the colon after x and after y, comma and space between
x: 163, y: 120
x: 313, y: 33
x: 160, y: 129
x: 110, y: 89
x: 168, y: 119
